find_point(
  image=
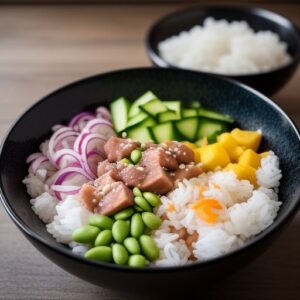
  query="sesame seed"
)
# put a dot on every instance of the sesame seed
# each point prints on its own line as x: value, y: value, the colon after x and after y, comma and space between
x: 186, y: 169
x: 106, y: 188
x: 94, y: 201
x: 184, y: 153
x: 181, y: 166
x: 124, y: 134
x: 168, y: 153
x: 140, y: 168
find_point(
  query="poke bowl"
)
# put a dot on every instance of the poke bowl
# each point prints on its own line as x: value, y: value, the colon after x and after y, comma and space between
x: 151, y: 175
x: 225, y: 40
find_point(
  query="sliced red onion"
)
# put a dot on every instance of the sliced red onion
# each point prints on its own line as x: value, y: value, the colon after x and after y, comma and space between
x: 67, y: 189
x: 71, y: 176
x: 79, y: 121
x: 67, y: 158
x: 92, y: 142
x: 33, y: 156
x: 37, y: 163
x: 56, y: 127
x: 103, y: 112
x: 96, y: 126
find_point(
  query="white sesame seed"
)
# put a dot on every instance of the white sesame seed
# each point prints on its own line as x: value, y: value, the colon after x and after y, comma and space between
x: 124, y: 134
x: 140, y: 168
x: 181, y: 166
x: 168, y: 153
x: 184, y: 153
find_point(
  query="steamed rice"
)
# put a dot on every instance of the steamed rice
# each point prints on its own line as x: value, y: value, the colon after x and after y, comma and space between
x: 223, y: 47
x: 245, y: 213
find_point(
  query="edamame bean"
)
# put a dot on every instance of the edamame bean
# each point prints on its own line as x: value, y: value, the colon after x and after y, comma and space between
x: 143, y: 146
x: 137, y: 225
x: 135, y: 156
x: 104, y: 238
x: 136, y: 192
x: 132, y: 245
x: 85, y: 234
x: 153, y: 199
x: 142, y: 203
x: 101, y: 253
x: 149, y: 248
x: 137, y: 208
x: 100, y: 221
x: 124, y: 214
x: 125, y: 161
x: 151, y: 220
x: 137, y: 261
x: 120, y: 254
x: 120, y: 230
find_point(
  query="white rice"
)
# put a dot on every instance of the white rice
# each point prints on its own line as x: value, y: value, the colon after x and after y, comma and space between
x: 34, y: 184
x: 245, y: 213
x: 225, y: 47
x: 45, y: 207
x: 70, y: 215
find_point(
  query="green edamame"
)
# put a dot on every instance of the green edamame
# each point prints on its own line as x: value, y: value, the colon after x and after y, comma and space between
x: 136, y: 192
x: 136, y: 156
x: 137, y: 208
x: 125, y: 161
x: 124, y: 214
x: 151, y: 198
x: 151, y: 220
x: 120, y: 230
x: 85, y: 234
x: 132, y: 245
x: 142, y: 203
x: 120, y: 254
x: 104, y: 238
x: 137, y: 225
x: 101, y: 253
x: 137, y: 261
x: 100, y: 221
x: 149, y: 248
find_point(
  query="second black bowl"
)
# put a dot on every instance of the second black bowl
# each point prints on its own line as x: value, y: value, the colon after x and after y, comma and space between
x: 259, y: 19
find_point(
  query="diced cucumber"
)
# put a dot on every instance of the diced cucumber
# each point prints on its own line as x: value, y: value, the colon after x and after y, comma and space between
x: 195, y: 104
x: 214, y: 115
x: 164, y: 132
x: 189, y: 112
x: 173, y: 105
x: 138, y: 118
x: 135, y: 107
x: 141, y: 134
x: 208, y: 126
x: 119, y: 111
x: 154, y: 107
x: 187, y: 127
x: 167, y: 116
x: 213, y: 137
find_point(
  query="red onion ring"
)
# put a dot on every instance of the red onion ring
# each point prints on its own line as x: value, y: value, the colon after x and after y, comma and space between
x: 33, y: 156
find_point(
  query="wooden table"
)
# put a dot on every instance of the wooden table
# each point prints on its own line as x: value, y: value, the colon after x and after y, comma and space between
x: 42, y: 48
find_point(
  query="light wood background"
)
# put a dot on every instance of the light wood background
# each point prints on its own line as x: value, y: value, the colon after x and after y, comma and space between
x: 44, y: 47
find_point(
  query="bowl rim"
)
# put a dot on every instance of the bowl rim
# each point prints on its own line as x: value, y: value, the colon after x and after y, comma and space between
x: 267, y: 233
x: 159, y: 61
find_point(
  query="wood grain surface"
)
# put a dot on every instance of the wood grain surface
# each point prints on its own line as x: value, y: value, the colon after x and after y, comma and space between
x: 45, y: 47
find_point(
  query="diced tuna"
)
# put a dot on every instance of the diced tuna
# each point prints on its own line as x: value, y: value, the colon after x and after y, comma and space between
x: 155, y: 158
x: 132, y: 175
x: 118, y: 148
x: 182, y: 153
x: 187, y: 173
x: 157, y: 181
x: 106, y: 179
x: 118, y: 198
x: 103, y: 167
x: 86, y: 196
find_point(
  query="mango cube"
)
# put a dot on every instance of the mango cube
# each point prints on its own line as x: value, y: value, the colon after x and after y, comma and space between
x: 202, y: 142
x: 197, y: 155
x: 213, y: 156
x: 233, y: 149
x: 190, y: 145
x: 247, y: 138
x: 243, y: 172
x: 250, y: 158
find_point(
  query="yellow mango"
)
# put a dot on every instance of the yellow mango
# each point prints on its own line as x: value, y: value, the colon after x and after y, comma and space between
x: 202, y: 142
x: 190, y: 145
x: 213, y: 156
x: 197, y: 155
x: 250, y: 158
x: 233, y: 149
x: 264, y: 154
x: 247, y: 138
x: 243, y: 172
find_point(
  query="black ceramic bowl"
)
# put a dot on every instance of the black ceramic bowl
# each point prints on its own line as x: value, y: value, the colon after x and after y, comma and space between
x: 259, y: 19
x: 250, y: 109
